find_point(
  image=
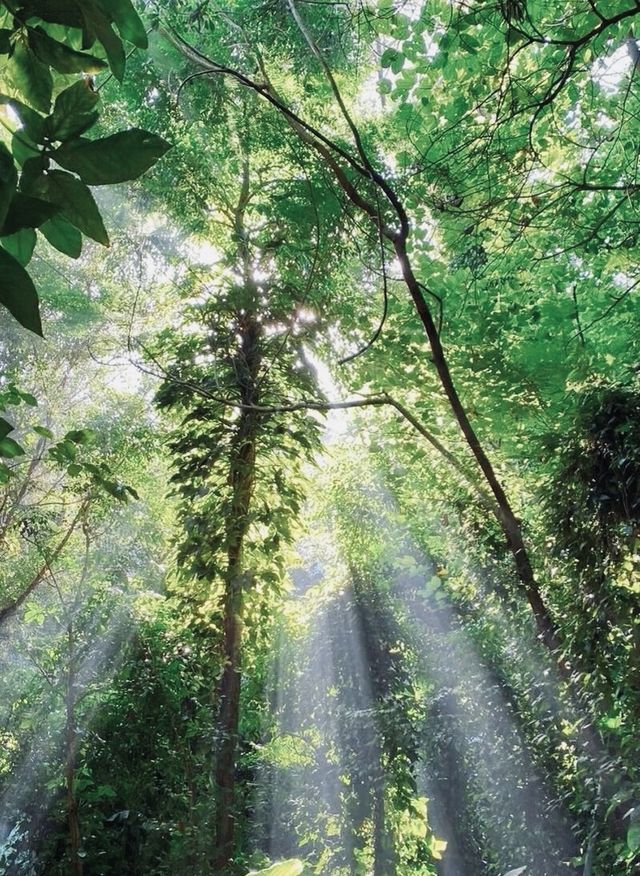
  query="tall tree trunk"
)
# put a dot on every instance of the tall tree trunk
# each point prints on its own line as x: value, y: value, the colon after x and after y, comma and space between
x: 242, y: 478
x: 384, y: 859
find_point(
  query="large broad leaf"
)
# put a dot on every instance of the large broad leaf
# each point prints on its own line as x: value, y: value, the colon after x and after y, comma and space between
x: 127, y: 21
x: 75, y: 201
x: 55, y: 11
x: 8, y: 181
x: 32, y: 78
x: 284, y: 868
x: 20, y: 245
x: 74, y: 111
x: 18, y: 294
x: 62, y: 235
x: 121, y: 157
x: 10, y: 448
x: 27, y: 212
x: 111, y: 43
x: 5, y: 427
x: 61, y: 57
x: 31, y: 121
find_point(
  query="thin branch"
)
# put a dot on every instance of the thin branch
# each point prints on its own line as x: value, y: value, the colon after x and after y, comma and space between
x: 385, y: 294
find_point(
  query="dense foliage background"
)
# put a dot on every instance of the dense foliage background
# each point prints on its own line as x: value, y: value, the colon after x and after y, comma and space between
x: 319, y: 438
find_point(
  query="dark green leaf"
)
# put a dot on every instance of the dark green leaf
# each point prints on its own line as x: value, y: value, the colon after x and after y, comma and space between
x: 8, y: 181
x: 10, y: 448
x: 5, y: 427
x: 111, y: 42
x: 5, y: 40
x: 55, y: 11
x: 74, y: 111
x: 75, y: 201
x: 32, y: 78
x: 62, y: 235
x: 121, y: 157
x: 20, y: 245
x: 388, y: 57
x: 80, y: 436
x: 29, y: 399
x: 60, y: 56
x: 18, y: 294
x: 23, y: 148
x: 27, y: 212
x: 32, y: 169
x: 127, y: 21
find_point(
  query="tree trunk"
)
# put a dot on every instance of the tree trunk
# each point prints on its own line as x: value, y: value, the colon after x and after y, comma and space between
x: 242, y: 477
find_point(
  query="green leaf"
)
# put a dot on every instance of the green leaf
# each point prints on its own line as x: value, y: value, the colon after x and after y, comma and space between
x: 8, y: 181
x: 398, y: 62
x: 5, y: 40
x: 5, y: 427
x: 388, y: 57
x: 80, y: 436
x: 10, y: 448
x: 27, y: 212
x: 127, y: 21
x: 633, y: 837
x: 32, y: 78
x: 62, y: 235
x: 20, y: 245
x: 43, y: 431
x: 119, y: 158
x: 111, y: 42
x: 112, y: 45
x: 18, y: 294
x: 24, y: 148
x: 56, y: 11
x: 114, y: 489
x: 61, y: 57
x: 29, y: 399
x: 74, y: 111
x: 31, y: 121
x: 75, y: 201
